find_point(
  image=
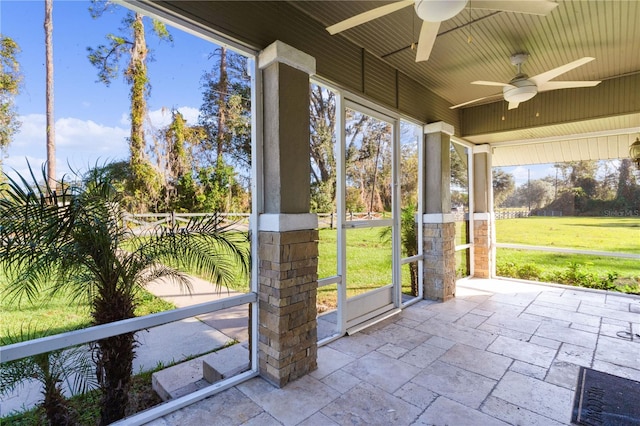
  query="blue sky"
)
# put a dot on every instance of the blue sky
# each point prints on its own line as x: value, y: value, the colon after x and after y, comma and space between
x: 91, y: 118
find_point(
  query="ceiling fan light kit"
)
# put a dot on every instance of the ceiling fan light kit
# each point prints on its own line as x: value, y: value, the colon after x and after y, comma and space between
x: 519, y: 91
x: 439, y: 10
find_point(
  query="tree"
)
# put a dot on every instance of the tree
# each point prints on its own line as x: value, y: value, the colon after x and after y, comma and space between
x: 71, y: 367
x: 51, y: 124
x: 75, y: 240
x: 146, y: 183
x: 323, y: 163
x: 503, y: 186
x: 10, y: 82
x: 628, y: 192
x: 225, y: 113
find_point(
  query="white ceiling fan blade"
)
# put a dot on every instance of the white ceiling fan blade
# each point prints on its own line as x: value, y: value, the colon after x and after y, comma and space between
x: 469, y: 102
x: 513, y: 105
x: 554, y: 85
x: 532, y: 7
x: 540, y: 79
x: 367, y: 16
x: 428, y: 34
x: 490, y: 83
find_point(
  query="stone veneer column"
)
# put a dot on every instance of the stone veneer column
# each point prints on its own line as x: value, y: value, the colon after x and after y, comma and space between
x: 439, y: 225
x: 288, y: 236
x: 483, y: 212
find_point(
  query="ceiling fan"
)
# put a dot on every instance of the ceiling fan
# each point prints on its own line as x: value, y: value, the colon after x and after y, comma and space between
x: 433, y: 12
x: 522, y: 87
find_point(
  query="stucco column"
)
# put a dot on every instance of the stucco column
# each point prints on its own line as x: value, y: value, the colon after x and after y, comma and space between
x: 288, y: 235
x: 439, y: 225
x: 483, y: 212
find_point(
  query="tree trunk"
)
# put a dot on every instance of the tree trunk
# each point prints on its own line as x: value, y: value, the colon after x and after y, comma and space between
x: 137, y: 75
x: 223, y: 88
x: 51, y: 144
x: 114, y: 355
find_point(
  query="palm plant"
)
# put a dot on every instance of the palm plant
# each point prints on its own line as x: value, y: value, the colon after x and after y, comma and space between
x: 54, y: 370
x: 408, y: 240
x: 74, y: 240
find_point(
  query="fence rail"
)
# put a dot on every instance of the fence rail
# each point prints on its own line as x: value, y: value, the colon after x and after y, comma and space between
x: 568, y: 250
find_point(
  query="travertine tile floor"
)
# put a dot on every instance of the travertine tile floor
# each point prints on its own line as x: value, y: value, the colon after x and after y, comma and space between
x: 502, y: 352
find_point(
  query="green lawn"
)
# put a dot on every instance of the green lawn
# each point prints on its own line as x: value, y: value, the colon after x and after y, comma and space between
x: 57, y: 314
x: 605, y: 234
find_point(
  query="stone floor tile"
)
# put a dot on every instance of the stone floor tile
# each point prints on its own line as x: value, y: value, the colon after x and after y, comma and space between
x: 567, y: 335
x: 611, y: 328
x: 356, y: 345
x: 392, y: 351
x: 501, y: 331
x: 574, y: 354
x: 557, y: 299
x: 423, y: 355
x: 471, y: 320
x: 586, y: 294
x: 624, y: 353
x: 523, y: 351
x: 399, y: 335
x: 530, y: 370
x: 482, y: 312
x: 514, y: 414
x: 587, y: 328
x: 493, y: 306
x: 547, y: 343
x: 617, y: 314
x: 616, y: 370
x: 511, y: 322
x: 563, y: 374
x: 407, y: 322
x: 440, y: 342
x: 418, y: 312
x: 540, y: 397
x: 478, y: 361
x: 516, y: 299
x: 445, y: 412
x: 341, y: 381
x: 545, y: 320
x: 455, y: 305
x: 386, y: 373
x: 462, y: 386
x: 622, y: 298
x: 559, y: 314
x: 365, y: 404
x: 263, y: 419
x: 318, y: 419
x: 230, y: 407
x: 417, y: 395
x: 468, y: 336
x: 291, y: 404
x: 564, y: 307
x: 330, y: 360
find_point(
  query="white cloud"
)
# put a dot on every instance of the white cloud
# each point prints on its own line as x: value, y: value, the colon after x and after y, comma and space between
x: 162, y: 117
x: 79, y: 144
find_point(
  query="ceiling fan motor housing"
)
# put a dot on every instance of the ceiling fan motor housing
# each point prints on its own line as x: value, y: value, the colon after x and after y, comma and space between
x: 519, y: 90
x: 439, y: 10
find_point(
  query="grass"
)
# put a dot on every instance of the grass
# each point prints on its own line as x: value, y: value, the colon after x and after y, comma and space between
x: 618, y: 235
x: 87, y: 406
x: 59, y: 313
x: 368, y: 264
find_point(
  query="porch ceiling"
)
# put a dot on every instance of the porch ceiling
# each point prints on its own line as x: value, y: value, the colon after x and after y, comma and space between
x: 561, y: 125
x: 476, y: 45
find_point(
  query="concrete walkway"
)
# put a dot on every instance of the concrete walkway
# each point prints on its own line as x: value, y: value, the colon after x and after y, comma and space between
x: 168, y: 343
x: 502, y: 352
